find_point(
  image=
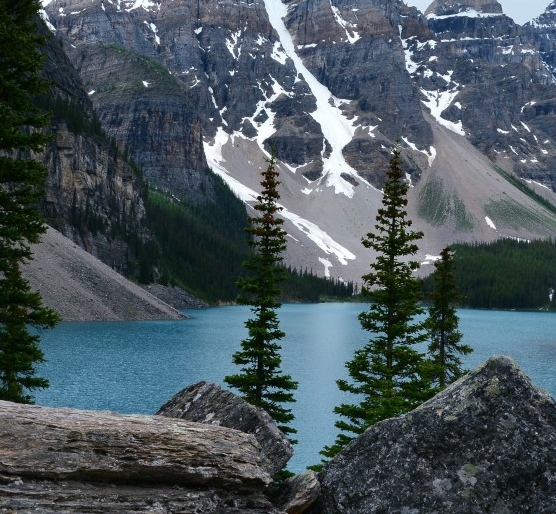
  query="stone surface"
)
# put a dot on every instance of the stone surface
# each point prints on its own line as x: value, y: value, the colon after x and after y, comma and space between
x: 297, y: 494
x: 485, y: 444
x: 66, y: 460
x: 80, y: 287
x: 208, y: 403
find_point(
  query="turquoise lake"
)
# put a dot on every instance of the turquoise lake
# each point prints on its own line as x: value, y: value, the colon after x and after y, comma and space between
x: 135, y: 367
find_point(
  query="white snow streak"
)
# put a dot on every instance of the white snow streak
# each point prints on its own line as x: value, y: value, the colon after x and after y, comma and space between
x: 327, y: 265
x: 468, y: 13
x: 154, y: 28
x: 490, y: 223
x: 337, y: 130
x: 429, y: 259
x: 215, y: 160
x: 437, y: 102
x: 344, y: 24
x: 231, y: 44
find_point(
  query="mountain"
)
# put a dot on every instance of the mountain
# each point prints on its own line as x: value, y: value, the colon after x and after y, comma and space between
x: 94, y: 196
x: 181, y: 87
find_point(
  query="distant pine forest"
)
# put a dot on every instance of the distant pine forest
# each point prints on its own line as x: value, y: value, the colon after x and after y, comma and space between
x: 506, y: 274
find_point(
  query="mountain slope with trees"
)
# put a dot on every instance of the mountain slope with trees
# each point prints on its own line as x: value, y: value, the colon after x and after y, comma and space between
x: 505, y: 274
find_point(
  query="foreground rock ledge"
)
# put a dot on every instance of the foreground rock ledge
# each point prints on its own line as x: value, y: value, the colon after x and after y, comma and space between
x: 54, y: 457
x: 485, y: 444
x: 208, y: 403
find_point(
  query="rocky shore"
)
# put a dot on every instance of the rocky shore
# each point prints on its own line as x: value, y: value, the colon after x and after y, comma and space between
x: 82, y: 288
x: 485, y: 444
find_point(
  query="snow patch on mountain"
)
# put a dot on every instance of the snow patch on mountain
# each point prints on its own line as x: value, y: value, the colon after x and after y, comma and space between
x: 232, y: 44
x: 490, y: 223
x: 322, y: 240
x: 468, y: 13
x: 337, y: 129
x: 437, y: 100
x: 352, y: 38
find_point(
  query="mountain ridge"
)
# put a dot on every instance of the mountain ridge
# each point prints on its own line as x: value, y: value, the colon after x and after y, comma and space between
x: 330, y: 85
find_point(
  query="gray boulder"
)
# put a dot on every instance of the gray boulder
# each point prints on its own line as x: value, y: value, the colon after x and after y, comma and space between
x: 296, y: 494
x: 209, y: 403
x: 66, y: 460
x: 485, y: 444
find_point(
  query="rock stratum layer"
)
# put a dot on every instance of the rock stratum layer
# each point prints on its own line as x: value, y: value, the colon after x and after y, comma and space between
x: 65, y: 460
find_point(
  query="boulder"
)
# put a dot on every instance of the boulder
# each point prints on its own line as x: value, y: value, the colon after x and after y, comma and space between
x: 66, y: 460
x: 296, y: 494
x: 485, y: 444
x: 209, y: 403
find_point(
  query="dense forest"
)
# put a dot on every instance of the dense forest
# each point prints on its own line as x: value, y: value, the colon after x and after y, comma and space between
x: 505, y: 274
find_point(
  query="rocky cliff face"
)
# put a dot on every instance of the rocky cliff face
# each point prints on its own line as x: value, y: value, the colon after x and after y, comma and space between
x: 486, y: 75
x: 93, y: 196
x: 330, y: 85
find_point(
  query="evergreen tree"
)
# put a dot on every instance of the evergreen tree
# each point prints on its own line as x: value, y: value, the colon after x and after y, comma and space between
x: 261, y: 381
x: 22, y: 186
x: 387, y: 373
x: 445, y: 347
x: 20, y: 308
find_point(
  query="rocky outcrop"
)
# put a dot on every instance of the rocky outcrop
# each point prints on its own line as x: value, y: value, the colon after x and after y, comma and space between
x: 208, y: 403
x: 451, y: 7
x: 228, y: 70
x: 296, y: 494
x: 485, y: 444
x: 94, y: 196
x: 65, y: 460
x: 486, y: 73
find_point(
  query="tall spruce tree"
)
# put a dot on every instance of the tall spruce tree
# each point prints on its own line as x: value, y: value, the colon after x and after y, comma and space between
x: 261, y: 381
x: 387, y: 373
x: 445, y: 345
x: 22, y: 186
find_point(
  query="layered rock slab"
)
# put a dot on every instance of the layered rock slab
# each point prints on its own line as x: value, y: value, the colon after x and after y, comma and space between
x: 66, y: 460
x: 205, y: 402
x: 485, y: 444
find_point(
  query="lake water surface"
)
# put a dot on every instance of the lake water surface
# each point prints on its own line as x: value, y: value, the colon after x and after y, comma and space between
x: 135, y: 367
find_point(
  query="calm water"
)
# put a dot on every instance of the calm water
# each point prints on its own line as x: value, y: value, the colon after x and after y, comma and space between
x: 134, y: 367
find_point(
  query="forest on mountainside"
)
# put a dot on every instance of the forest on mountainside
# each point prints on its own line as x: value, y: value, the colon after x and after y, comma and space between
x: 201, y: 248
x: 505, y: 274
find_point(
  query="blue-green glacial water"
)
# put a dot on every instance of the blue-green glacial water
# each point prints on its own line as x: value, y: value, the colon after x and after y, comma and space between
x: 135, y: 367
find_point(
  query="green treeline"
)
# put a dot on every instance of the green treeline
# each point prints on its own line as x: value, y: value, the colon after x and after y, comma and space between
x: 307, y: 287
x: 201, y: 245
x: 505, y: 274
x: 72, y: 114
